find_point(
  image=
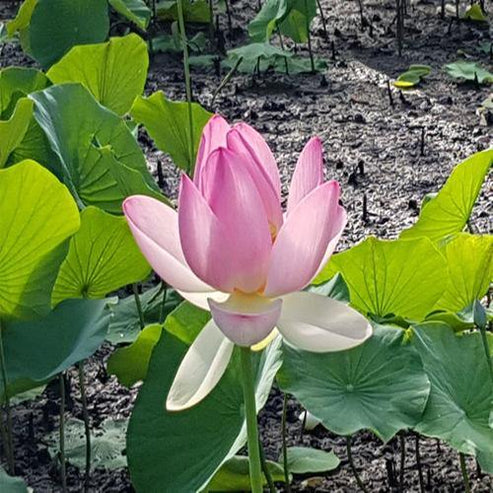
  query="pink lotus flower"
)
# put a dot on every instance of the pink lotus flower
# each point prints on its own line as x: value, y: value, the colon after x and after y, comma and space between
x: 231, y: 250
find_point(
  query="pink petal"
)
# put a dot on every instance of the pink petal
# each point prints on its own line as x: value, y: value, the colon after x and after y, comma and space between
x: 304, y: 239
x: 246, y: 320
x: 232, y: 196
x: 213, y: 136
x: 308, y: 174
x: 154, y: 226
x: 317, y: 323
x: 256, y: 146
x: 203, y: 238
x: 201, y: 369
x: 258, y: 172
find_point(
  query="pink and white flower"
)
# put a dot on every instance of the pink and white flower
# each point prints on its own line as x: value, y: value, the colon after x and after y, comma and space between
x: 230, y: 249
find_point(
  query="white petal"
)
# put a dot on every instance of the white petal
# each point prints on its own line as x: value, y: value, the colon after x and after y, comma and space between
x: 201, y: 369
x: 316, y: 323
x: 200, y: 298
x: 309, y: 420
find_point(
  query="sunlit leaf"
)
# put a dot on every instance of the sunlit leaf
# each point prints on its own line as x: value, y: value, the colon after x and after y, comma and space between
x: 412, y: 76
x: 135, y: 11
x: 90, y: 142
x: 475, y: 13
x: 37, y: 216
x: 102, y: 258
x: 448, y: 212
x: 114, y: 72
x: 168, y: 125
x: 403, y: 278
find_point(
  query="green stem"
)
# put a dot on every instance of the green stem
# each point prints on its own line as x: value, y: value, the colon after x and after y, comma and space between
x: 284, y: 443
x: 487, y: 351
x: 312, y: 61
x: 265, y: 469
x: 139, y: 306
x: 465, y: 476
x: 87, y: 428
x: 281, y: 42
x: 188, y: 86
x: 63, y: 472
x: 9, y: 443
x: 353, y: 467
x: 226, y: 79
x: 251, y: 420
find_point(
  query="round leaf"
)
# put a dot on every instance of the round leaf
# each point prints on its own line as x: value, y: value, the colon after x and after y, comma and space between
x: 449, y: 211
x: 37, y: 215
x: 461, y: 398
x: 102, y: 257
x: 57, y: 25
x: 380, y: 385
x: 403, y: 278
x: 93, y: 144
x: 114, y: 72
x: 194, y: 443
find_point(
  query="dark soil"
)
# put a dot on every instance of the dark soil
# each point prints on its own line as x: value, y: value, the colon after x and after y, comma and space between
x: 373, y: 148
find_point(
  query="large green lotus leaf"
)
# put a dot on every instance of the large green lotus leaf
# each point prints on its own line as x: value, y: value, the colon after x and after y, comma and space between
x: 102, y: 258
x: 20, y: 23
x: 263, y: 25
x: 57, y: 25
x: 88, y: 139
x: 125, y: 322
x: 130, y: 364
x: 37, y: 215
x: 300, y: 15
x: 13, y: 130
x: 194, y: 443
x: 469, y: 71
x: 448, y: 212
x: 470, y: 265
x: 114, y: 72
x: 234, y: 475
x: 135, y: 11
x: 167, y: 123
x: 16, y: 82
x: 403, y: 278
x: 39, y: 350
x: 11, y: 484
x: 380, y: 385
x: 460, y: 405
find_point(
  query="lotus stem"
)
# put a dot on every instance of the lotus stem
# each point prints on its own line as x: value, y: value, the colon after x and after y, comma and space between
x: 465, y: 475
x: 61, y: 456
x: 310, y: 51
x: 139, y: 306
x: 226, y: 79
x: 265, y: 469
x: 87, y: 428
x: 188, y: 85
x: 228, y: 13
x: 284, y: 442
x: 322, y: 17
x: 281, y: 42
x: 251, y: 420
x: 353, y: 467
x: 9, y: 442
